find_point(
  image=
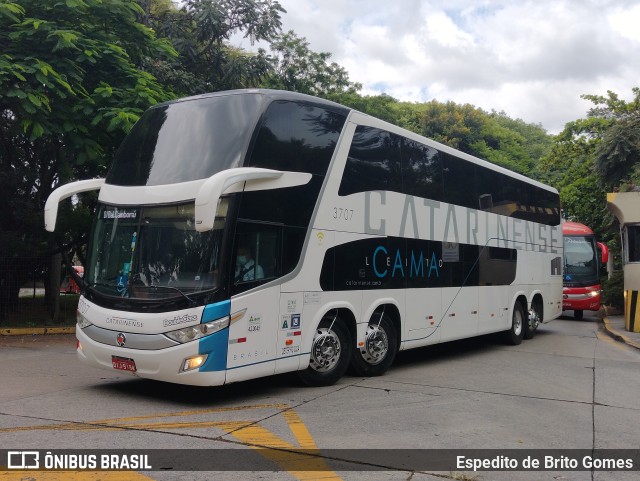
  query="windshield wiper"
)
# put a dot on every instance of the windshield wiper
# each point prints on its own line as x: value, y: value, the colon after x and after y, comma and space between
x: 101, y: 284
x: 171, y: 288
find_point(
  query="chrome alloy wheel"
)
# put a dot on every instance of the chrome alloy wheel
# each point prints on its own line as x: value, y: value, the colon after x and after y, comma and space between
x: 325, y: 351
x: 534, y: 319
x: 376, y: 345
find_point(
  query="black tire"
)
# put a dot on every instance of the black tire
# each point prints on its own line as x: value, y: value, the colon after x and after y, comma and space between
x: 578, y: 315
x: 518, y: 319
x: 533, y: 319
x: 380, y: 349
x: 330, y: 353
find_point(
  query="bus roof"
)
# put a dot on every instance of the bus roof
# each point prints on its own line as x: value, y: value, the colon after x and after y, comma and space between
x: 575, y: 228
x: 359, y: 117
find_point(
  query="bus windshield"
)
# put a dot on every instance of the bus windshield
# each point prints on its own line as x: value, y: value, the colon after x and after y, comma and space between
x: 154, y: 252
x: 580, y: 261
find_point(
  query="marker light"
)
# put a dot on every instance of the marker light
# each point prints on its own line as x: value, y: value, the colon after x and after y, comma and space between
x: 193, y: 362
x: 199, y: 331
x: 82, y: 321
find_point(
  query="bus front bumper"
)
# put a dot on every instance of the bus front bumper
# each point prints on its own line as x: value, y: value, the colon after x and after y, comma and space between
x: 160, y: 365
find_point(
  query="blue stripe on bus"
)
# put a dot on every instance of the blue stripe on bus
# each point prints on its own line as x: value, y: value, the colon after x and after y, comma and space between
x: 216, y: 311
x: 215, y: 345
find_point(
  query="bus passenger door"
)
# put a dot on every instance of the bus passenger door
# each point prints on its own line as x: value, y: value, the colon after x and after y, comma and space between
x: 254, y: 320
x: 255, y: 301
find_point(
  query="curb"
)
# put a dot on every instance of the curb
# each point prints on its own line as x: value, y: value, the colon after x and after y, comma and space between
x: 617, y: 336
x: 28, y: 331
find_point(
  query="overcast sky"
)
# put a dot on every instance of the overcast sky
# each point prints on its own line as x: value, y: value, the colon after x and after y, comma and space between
x: 530, y: 58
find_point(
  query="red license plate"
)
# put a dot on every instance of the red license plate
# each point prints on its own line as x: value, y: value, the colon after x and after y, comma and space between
x: 123, y: 363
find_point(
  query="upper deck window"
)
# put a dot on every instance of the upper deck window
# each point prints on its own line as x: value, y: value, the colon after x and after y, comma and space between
x: 298, y: 137
x: 184, y: 141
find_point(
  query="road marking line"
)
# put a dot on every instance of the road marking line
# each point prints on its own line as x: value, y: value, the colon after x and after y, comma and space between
x: 264, y: 442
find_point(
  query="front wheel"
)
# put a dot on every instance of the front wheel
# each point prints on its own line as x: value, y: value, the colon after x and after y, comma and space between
x: 578, y: 315
x: 375, y: 357
x: 514, y: 335
x: 330, y: 353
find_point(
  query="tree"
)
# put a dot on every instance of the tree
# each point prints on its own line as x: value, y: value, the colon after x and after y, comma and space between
x: 493, y: 137
x: 619, y: 150
x: 200, y: 31
x: 299, y: 69
x: 69, y: 91
x: 594, y: 155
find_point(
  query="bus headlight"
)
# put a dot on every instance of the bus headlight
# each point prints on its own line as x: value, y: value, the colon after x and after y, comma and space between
x: 193, y: 333
x: 193, y: 362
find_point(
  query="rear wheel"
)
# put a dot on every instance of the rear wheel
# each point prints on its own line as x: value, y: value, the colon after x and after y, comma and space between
x: 379, y: 350
x: 578, y: 315
x: 514, y: 335
x: 330, y: 353
x: 533, y: 319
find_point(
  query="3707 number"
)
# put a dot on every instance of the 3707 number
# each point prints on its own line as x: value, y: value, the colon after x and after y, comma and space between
x: 342, y: 214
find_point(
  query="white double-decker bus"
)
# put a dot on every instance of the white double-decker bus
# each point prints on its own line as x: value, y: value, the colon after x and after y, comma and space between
x: 248, y: 233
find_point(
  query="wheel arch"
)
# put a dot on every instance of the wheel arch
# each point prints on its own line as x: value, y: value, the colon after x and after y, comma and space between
x: 539, y: 298
x: 345, y: 312
x: 520, y: 298
x: 391, y: 309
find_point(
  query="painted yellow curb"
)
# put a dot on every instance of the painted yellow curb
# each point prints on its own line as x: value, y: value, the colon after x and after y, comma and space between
x: 27, y: 331
x: 619, y: 336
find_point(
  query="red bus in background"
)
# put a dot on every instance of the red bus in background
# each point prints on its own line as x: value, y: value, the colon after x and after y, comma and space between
x: 69, y: 284
x: 583, y: 256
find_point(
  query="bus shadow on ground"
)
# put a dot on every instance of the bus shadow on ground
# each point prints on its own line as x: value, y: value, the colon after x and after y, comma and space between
x: 277, y: 387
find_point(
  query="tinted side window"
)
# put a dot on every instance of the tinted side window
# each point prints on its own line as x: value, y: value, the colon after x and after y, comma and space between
x: 498, y: 191
x: 257, y: 255
x: 632, y: 243
x: 421, y: 170
x: 459, y: 180
x: 373, y: 162
x: 296, y: 136
x: 504, y: 195
x: 292, y: 206
x: 263, y: 252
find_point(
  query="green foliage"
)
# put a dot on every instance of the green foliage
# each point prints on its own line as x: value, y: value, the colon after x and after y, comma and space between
x: 494, y: 137
x: 71, y: 87
x: 381, y: 106
x: 592, y: 156
x: 618, y: 153
x: 613, y: 290
x: 200, y: 32
x: 299, y: 69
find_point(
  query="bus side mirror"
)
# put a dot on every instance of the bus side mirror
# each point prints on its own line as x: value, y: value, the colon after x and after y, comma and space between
x: 604, y: 253
x: 226, y: 181
x: 61, y: 193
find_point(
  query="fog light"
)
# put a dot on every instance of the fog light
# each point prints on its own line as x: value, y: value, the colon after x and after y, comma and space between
x: 193, y: 362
